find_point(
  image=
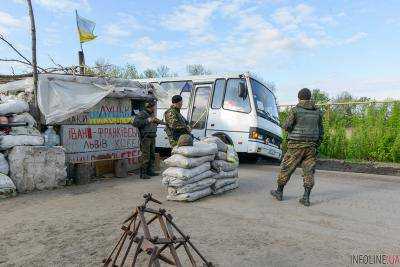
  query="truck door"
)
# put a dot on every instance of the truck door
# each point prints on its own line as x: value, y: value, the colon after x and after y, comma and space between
x: 199, y: 111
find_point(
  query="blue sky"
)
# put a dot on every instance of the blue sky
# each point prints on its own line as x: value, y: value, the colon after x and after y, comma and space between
x: 332, y: 45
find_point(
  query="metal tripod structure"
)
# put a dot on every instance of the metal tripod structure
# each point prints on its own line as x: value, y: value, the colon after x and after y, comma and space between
x: 153, y: 246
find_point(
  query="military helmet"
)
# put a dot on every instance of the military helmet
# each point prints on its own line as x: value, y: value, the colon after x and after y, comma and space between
x: 185, y: 140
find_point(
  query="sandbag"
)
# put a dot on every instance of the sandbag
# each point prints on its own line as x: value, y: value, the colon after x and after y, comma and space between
x: 7, y: 187
x: 224, y: 175
x: 197, y: 150
x: 24, y: 130
x: 231, y: 155
x: 224, y: 182
x: 9, y: 141
x: 215, y: 140
x: 13, y: 106
x: 227, y: 188
x: 185, y: 174
x: 4, y: 167
x: 177, y: 182
x: 192, y: 196
x: 200, y: 185
x: 221, y: 156
x: 181, y: 161
x: 221, y: 165
x: 23, y: 118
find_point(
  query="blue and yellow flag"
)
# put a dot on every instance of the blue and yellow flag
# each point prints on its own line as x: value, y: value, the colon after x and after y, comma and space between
x: 85, y: 29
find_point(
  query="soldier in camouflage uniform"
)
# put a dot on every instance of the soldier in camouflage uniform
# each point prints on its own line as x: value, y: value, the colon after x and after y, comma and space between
x: 175, y: 124
x: 146, y: 122
x: 305, y: 133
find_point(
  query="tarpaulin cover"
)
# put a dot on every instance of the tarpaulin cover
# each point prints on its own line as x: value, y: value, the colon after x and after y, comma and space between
x: 64, y: 96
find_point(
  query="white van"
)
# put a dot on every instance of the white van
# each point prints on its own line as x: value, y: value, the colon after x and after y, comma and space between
x: 237, y: 107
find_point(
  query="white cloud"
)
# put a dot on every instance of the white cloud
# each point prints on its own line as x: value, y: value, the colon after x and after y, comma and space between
x: 63, y: 6
x: 9, y: 21
x: 355, y: 38
x: 123, y: 27
x: 194, y: 20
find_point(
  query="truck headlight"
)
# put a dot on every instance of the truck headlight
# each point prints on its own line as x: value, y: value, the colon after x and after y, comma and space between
x: 254, y: 134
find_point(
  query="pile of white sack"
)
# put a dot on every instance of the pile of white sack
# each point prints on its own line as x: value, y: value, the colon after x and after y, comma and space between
x: 225, y: 165
x: 200, y: 170
x: 14, y: 110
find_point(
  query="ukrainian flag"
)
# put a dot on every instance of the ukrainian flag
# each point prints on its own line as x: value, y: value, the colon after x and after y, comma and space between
x: 85, y: 29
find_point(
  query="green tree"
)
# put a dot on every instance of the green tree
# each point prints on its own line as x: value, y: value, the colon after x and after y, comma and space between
x: 319, y: 96
x: 197, y: 69
x: 150, y: 73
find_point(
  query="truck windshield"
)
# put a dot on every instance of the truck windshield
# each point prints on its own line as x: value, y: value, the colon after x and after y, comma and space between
x: 264, y: 101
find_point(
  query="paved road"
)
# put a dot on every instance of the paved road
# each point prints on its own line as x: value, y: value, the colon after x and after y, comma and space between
x: 350, y: 214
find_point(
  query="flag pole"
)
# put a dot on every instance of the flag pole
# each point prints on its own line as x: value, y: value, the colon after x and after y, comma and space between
x: 81, y: 55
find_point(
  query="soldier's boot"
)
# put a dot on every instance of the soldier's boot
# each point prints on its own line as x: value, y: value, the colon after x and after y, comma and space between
x: 150, y: 172
x: 278, y: 193
x: 143, y: 174
x: 305, y: 200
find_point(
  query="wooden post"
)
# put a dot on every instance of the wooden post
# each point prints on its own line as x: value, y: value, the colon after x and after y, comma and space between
x: 81, y: 56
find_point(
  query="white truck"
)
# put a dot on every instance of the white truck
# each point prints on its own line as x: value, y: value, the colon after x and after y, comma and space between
x: 238, y: 107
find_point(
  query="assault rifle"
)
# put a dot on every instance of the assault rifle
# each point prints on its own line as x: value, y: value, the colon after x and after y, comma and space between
x: 16, y: 124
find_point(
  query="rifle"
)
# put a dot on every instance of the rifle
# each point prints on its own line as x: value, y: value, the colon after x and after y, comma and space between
x: 16, y: 124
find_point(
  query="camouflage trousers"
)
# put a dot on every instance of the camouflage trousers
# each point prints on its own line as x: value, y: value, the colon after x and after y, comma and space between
x: 306, y: 157
x: 147, y: 148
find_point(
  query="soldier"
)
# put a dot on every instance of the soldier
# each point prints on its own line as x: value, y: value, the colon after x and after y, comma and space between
x: 175, y: 123
x: 146, y: 122
x: 305, y: 133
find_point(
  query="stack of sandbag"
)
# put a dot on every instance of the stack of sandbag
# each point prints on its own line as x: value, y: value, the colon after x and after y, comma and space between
x: 16, y: 111
x: 225, y: 165
x: 7, y: 187
x: 189, y: 176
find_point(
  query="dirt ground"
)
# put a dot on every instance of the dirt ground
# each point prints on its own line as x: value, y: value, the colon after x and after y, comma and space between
x: 76, y: 226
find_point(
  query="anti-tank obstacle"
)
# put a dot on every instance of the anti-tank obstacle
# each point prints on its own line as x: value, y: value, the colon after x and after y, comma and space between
x: 136, y: 239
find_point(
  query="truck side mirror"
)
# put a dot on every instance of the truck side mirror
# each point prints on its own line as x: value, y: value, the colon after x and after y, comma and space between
x: 242, y: 90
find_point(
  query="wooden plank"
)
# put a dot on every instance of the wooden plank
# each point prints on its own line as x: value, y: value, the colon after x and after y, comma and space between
x: 132, y: 155
x: 91, y: 138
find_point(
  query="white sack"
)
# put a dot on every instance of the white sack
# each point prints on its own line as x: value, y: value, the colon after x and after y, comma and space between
x: 186, y: 174
x: 224, y: 175
x: 224, y: 182
x: 181, y: 161
x: 7, y: 187
x: 197, y: 150
x: 221, y: 156
x: 231, y: 155
x: 227, y: 188
x: 9, y: 141
x: 192, y: 196
x: 24, y: 130
x: 200, y: 185
x: 4, y: 167
x: 23, y: 118
x: 176, y: 182
x: 221, y: 165
x: 215, y: 140
x: 24, y: 85
x: 13, y: 106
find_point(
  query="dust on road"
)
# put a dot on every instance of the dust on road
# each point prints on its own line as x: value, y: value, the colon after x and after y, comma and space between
x: 76, y: 226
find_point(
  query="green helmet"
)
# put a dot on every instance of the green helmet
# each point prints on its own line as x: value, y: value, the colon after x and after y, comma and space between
x: 185, y: 140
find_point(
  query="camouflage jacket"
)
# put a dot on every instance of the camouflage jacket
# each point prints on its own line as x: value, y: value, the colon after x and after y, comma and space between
x: 175, y: 123
x: 302, y: 136
x: 146, y: 128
